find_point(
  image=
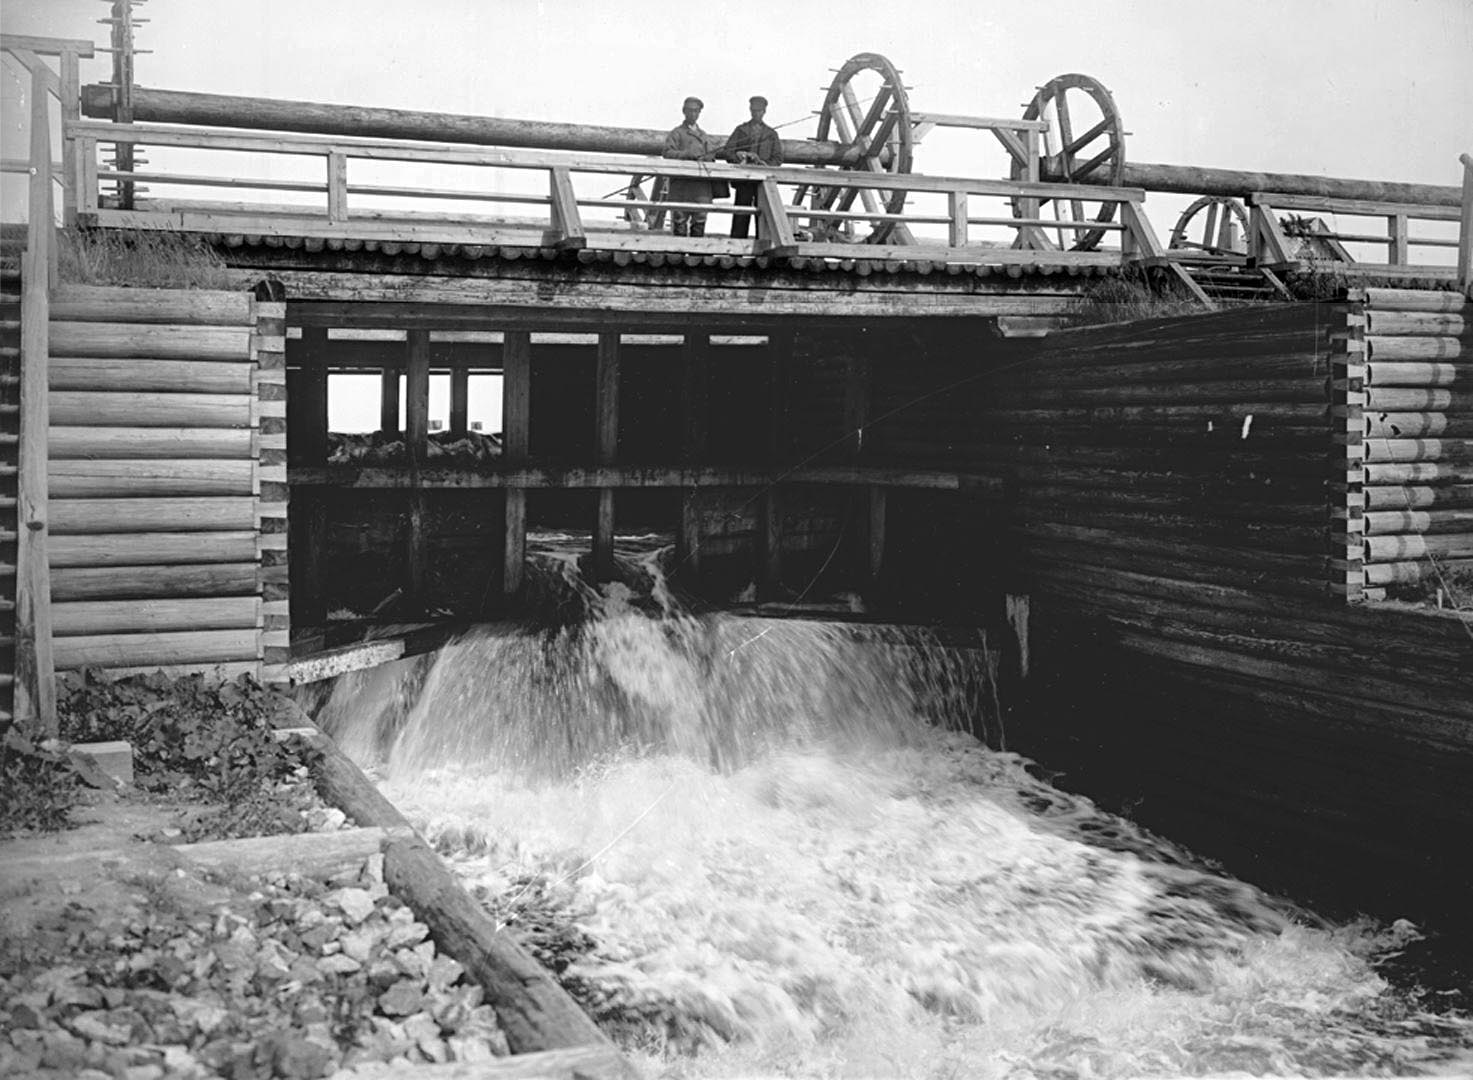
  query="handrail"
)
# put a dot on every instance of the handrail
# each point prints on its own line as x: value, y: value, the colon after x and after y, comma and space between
x: 66, y: 88
x: 1269, y: 244
x: 1465, y: 228
x: 564, y: 224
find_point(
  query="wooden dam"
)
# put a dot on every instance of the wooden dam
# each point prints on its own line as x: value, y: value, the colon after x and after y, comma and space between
x: 1224, y: 543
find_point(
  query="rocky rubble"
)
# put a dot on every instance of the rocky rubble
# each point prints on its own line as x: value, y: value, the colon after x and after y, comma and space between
x: 281, y: 977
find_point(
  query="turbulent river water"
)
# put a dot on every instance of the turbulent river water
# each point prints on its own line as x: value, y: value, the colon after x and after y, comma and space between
x: 764, y: 848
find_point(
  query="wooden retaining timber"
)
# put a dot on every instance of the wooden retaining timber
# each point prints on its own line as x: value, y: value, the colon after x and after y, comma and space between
x: 534, y: 1012
x: 1409, y: 461
x: 167, y: 480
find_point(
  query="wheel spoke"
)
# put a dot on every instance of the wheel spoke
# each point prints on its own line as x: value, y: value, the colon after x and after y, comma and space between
x: 1211, y: 226
x: 1084, y: 140
x: 1093, y: 163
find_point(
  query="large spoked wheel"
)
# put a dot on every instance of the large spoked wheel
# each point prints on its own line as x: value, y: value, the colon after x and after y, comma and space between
x: 1219, y: 223
x: 866, y: 110
x: 1084, y: 142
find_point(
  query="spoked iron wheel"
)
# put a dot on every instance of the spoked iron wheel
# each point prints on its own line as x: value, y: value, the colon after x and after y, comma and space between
x: 1084, y: 142
x: 1212, y: 219
x: 866, y: 110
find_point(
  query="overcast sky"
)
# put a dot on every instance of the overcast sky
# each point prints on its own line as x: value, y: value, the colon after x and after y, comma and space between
x: 1360, y: 88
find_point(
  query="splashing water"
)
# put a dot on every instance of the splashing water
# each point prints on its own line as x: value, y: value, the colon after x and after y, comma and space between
x: 762, y: 847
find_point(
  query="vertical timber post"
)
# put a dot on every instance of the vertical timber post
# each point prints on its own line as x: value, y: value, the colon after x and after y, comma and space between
x: 35, y: 671
x: 695, y: 360
x: 770, y: 517
x: 1346, y: 487
x: 606, y: 448
x: 516, y: 401
x: 388, y: 406
x: 309, y: 397
x: 269, y: 413
x: 460, y: 400
x: 417, y: 441
x: 870, y: 511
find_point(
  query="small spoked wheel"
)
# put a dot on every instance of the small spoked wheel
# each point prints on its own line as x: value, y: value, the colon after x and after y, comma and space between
x: 1084, y: 143
x: 867, y: 112
x: 1215, y: 224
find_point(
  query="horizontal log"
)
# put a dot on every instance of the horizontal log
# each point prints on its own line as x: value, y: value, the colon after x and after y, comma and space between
x: 1202, y: 651
x: 1146, y: 551
x: 1109, y: 368
x: 70, y: 583
x: 101, y: 303
x: 1167, y: 529
x: 151, y: 105
x: 126, y: 340
x: 89, y: 516
x: 1231, y: 505
x: 1185, y: 393
x: 1264, y: 638
x: 1412, y: 299
x: 1419, y: 521
x: 629, y: 476
x: 77, y: 478
x: 1418, y: 472
x: 83, y: 618
x: 138, y: 376
x: 1412, y: 373
x: 1195, y: 180
x: 136, y: 443
x: 1418, y: 497
x: 1405, y: 425
x: 1440, y: 323
x: 1402, y: 573
x: 1417, y: 348
x: 202, y: 647
x: 1397, y: 450
x: 87, y: 408
x: 317, y: 855
x: 1413, y: 546
x: 1406, y: 399
x: 153, y: 549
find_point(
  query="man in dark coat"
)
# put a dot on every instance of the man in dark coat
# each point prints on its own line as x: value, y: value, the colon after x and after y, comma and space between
x: 689, y: 143
x: 752, y: 143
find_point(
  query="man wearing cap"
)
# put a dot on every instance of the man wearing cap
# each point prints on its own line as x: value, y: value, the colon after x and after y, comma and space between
x: 689, y: 143
x: 752, y: 143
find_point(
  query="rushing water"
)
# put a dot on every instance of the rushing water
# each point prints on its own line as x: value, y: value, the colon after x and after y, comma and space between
x: 758, y: 847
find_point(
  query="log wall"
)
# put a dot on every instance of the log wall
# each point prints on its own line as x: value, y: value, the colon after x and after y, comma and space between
x: 1408, y: 379
x: 1177, y: 510
x: 167, y: 476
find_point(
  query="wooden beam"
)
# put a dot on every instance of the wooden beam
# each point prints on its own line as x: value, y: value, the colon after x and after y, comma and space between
x: 566, y: 221
x: 695, y: 359
x: 35, y: 676
x: 606, y: 448
x: 337, y: 187
x: 417, y: 388
x: 460, y: 397
x: 388, y: 402
x: 516, y: 402
x: 1465, y: 228
x: 876, y: 530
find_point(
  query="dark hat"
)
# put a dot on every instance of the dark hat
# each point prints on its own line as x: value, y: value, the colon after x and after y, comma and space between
x: 698, y: 102
x: 757, y: 100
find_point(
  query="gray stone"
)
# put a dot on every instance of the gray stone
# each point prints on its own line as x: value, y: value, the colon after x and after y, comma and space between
x: 405, y: 933
x: 99, y: 1026
x: 402, y: 999
x: 355, y: 904
x: 341, y: 964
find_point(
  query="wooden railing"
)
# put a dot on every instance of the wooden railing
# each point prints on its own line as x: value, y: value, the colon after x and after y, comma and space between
x: 1272, y: 245
x: 567, y: 219
x: 35, y: 676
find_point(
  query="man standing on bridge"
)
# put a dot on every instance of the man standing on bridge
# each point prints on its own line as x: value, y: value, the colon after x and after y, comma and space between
x: 752, y: 143
x: 689, y: 143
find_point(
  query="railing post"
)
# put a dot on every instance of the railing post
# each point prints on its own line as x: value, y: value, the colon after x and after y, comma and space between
x: 71, y: 109
x: 776, y: 230
x: 337, y: 187
x: 1396, y: 242
x: 567, y: 222
x: 35, y: 673
x: 956, y: 206
x: 1465, y: 228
